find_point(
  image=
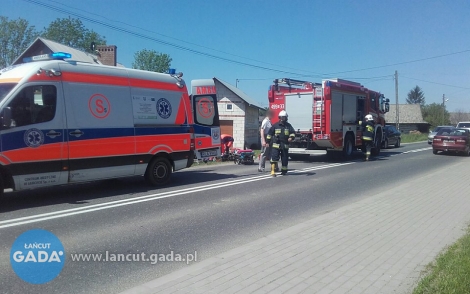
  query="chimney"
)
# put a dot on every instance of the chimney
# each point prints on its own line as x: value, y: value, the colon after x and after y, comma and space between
x: 107, y: 54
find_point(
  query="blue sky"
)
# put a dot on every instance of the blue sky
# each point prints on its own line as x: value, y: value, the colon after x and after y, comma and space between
x: 320, y: 39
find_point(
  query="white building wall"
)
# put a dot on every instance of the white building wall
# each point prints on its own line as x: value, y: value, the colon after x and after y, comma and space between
x: 251, y: 126
x: 236, y: 114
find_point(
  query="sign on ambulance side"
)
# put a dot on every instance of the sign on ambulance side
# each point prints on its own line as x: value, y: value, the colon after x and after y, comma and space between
x: 145, y: 108
x: 154, y: 108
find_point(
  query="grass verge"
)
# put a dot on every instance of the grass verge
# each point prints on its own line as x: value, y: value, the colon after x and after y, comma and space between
x: 410, y: 138
x: 450, y: 272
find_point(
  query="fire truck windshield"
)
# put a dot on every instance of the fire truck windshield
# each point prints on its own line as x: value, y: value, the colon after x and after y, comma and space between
x: 5, y: 89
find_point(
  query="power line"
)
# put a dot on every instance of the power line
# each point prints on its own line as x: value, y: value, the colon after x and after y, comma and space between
x: 180, y: 40
x: 176, y: 46
x: 378, y: 78
x: 437, y: 83
x: 404, y: 62
x: 183, y: 48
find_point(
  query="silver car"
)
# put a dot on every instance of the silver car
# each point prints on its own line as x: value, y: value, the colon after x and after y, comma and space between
x: 434, y: 132
x: 464, y: 125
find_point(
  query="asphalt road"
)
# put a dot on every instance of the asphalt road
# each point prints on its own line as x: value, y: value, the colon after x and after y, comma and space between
x: 208, y: 209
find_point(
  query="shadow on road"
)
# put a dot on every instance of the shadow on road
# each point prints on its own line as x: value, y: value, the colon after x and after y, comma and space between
x: 81, y: 194
x: 337, y: 158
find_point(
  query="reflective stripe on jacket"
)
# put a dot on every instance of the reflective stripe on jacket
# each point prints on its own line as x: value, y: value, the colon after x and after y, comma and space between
x: 368, y: 131
x: 279, y: 134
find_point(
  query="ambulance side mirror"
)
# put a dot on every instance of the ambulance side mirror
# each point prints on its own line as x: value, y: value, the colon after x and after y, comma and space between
x: 6, y: 117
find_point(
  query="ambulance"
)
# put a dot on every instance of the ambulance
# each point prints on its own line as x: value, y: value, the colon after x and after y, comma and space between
x: 64, y: 122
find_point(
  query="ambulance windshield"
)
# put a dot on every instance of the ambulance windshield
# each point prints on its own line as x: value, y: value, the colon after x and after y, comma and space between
x: 5, y: 89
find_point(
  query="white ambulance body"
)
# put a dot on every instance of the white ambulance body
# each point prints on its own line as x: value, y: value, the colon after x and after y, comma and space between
x: 66, y: 122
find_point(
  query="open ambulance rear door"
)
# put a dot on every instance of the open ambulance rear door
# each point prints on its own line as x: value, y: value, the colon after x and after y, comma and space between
x: 206, y: 126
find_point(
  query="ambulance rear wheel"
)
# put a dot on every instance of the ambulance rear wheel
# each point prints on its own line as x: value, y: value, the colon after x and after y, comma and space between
x: 158, y: 171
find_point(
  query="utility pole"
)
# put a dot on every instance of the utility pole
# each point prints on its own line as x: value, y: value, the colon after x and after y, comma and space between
x: 236, y: 83
x: 396, y: 101
x: 444, y: 100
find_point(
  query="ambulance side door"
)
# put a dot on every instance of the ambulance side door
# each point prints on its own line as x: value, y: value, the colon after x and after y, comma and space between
x: 100, y: 126
x: 34, y: 143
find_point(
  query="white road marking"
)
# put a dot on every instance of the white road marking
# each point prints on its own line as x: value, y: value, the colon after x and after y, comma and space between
x: 156, y: 196
x: 417, y: 150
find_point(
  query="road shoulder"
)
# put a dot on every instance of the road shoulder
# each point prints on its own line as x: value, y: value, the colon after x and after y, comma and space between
x: 376, y: 245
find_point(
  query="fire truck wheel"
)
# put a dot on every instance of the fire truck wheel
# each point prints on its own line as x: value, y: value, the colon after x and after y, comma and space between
x: 348, y: 147
x: 376, y: 150
x: 158, y: 171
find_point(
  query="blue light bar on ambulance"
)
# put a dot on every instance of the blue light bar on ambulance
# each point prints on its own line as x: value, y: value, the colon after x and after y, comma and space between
x: 172, y: 71
x: 52, y: 56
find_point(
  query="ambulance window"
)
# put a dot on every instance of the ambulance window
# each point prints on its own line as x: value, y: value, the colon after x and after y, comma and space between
x: 34, y: 104
x: 5, y: 89
x: 205, y: 110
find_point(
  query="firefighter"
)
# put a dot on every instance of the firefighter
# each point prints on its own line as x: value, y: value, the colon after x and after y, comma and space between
x: 368, y: 133
x: 279, y: 137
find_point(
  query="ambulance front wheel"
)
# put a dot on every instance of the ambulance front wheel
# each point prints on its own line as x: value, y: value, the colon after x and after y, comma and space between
x: 158, y: 171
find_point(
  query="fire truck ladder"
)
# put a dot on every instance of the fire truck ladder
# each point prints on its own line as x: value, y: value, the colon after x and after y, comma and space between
x: 319, y: 120
x: 290, y: 82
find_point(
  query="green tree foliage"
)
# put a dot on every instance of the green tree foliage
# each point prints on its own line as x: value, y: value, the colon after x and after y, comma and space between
x: 151, y: 60
x: 416, y: 96
x: 15, y: 36
x: 72, y: 32
x: 436, y: 114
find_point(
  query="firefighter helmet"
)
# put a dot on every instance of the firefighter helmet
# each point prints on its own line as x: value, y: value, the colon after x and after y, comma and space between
x: 369, y: 117
x: 283, y: 113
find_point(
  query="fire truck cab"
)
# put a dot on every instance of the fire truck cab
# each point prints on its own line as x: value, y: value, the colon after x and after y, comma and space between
x: 327, y: 115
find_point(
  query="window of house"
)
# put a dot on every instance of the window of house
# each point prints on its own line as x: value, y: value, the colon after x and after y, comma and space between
x: 34, y: 104
x: 229, y: 107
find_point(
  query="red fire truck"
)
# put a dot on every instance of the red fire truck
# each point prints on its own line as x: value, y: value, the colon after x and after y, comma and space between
x: 326, y: 116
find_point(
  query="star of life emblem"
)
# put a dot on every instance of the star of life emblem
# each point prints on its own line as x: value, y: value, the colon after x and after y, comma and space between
x: 34, y: 138
x: 164, y: 108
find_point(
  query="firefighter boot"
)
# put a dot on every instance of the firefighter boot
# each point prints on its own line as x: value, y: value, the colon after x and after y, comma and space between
x: 284, y: 170
x: 273, y: 169
x: 276, y: 168
x: 367, y: 156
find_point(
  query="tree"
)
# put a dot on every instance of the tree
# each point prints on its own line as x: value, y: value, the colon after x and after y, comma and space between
x: 435, y: 114
x: 72, y: 32
x: 416, y: 96
x: 458, y: 116
x: 151, y: 60
x: 15, y: 37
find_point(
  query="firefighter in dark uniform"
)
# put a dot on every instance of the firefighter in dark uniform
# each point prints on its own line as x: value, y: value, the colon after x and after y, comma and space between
x: 368, y: 133
x: 279, y: 137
